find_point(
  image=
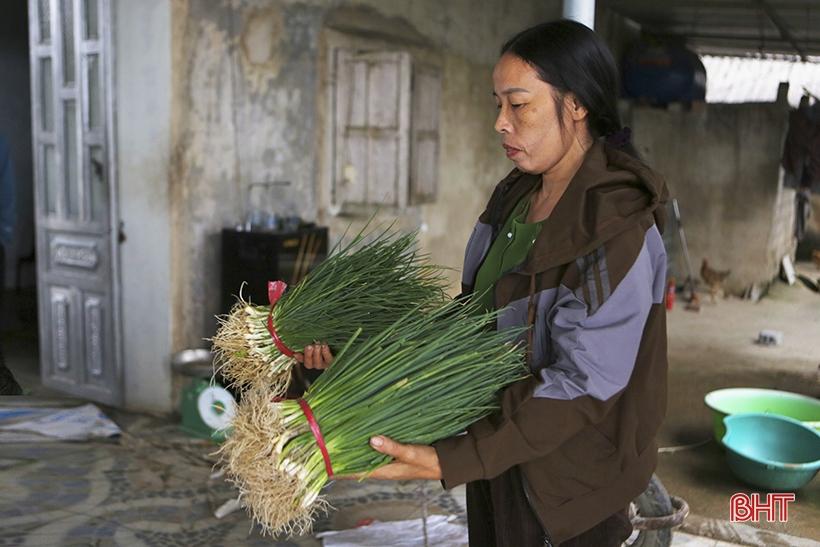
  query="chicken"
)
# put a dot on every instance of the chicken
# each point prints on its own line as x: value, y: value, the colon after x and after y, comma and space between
x: 713, y: 278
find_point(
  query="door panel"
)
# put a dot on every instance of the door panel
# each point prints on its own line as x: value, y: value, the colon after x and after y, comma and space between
x: 75, y: 196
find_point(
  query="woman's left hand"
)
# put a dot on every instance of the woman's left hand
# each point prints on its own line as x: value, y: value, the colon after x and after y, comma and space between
x: 315, y: 356
x: 410, y: 461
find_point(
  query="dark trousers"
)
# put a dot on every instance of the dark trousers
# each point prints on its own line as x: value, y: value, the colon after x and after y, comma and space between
x: 8, y: 385
x: 498, y: 515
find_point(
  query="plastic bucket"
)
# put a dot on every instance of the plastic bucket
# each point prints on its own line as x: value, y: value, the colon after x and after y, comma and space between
x: 737, y: 400
x: 771, y: 451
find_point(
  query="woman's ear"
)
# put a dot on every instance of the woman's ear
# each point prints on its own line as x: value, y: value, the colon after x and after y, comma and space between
x: 577, y: 111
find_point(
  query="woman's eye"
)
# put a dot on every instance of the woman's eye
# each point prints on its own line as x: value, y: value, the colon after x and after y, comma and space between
x: 516, y: 105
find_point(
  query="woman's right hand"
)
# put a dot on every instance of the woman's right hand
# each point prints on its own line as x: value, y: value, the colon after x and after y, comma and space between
x: 315, y: 356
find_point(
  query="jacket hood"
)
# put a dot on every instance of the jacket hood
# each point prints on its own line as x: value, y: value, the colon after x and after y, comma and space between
x: 611, y: 192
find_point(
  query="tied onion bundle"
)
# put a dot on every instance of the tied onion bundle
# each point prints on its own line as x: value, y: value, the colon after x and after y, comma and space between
x: 366, y: 284
x: 426, y: 377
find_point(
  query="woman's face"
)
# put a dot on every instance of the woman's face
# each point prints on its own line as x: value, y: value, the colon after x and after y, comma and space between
x: 527, y: 119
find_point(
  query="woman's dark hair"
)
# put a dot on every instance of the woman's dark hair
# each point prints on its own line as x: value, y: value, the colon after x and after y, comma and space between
x: 572, y: 58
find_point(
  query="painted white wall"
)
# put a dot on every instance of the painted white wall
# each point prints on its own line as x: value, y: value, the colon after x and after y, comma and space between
x: 142, y: 53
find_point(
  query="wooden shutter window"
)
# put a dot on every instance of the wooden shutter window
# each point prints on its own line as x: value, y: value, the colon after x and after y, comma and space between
x: 372, y: 128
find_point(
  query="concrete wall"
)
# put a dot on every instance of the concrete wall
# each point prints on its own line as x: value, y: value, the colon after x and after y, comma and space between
x: 15, y: 126
x: 721, y: 161
x: 223, y: 94
x: 247, y: 100
x: 143, y: 111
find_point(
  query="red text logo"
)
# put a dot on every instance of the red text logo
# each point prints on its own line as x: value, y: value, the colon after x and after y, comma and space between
x: 748, y: 507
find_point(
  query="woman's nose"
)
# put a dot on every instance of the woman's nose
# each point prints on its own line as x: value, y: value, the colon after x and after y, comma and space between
x: 501, y: 123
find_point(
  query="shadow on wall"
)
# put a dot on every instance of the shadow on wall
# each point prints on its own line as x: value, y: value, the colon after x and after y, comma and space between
x: 811, y: 242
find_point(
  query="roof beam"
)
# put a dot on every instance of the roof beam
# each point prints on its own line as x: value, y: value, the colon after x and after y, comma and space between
x: 742, y: 37
x: 643, y: 5
x: 778, y: 21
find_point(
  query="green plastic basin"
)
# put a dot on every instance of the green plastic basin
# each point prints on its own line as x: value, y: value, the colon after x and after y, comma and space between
x: 737, y: 400
x: 771, y: 451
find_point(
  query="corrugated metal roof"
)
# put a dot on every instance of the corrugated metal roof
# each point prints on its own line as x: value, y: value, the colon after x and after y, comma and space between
x: 744, y: 79
x: 731, y: 27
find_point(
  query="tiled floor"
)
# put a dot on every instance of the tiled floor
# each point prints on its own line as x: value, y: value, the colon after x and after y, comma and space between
x: 153, y: 487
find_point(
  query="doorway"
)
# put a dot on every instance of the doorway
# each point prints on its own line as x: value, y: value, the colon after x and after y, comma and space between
x: 18, y: 293
x: 68, y: 199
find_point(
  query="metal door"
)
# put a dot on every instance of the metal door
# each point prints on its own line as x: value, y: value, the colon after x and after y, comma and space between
x: 75, y: 197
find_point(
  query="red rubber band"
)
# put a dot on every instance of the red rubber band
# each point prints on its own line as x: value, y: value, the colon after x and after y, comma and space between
x: 317, y: 434
x: 275, y: 291
x: 314, y: 428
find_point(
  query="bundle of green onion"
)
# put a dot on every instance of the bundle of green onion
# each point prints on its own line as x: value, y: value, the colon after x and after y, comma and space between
x: 366, y: 284
x: 426, y: 377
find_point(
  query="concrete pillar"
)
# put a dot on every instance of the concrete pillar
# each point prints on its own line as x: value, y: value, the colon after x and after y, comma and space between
x: 582, y: 11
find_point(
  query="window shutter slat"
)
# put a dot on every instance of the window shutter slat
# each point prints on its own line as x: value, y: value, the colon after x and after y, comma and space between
x: 425, y: 135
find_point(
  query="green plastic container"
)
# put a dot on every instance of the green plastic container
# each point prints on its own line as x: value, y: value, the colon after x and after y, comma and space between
x: 736, y: 400
x: 771, y: 451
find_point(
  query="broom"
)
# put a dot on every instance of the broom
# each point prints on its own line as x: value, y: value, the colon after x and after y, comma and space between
x: 365, y: 285
x: 426, y: 377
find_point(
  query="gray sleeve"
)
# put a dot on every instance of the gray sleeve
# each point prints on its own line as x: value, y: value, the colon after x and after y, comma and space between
x: 594, y: 352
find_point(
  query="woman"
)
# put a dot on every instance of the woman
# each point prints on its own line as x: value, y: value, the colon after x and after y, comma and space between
x: 570, y: 245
